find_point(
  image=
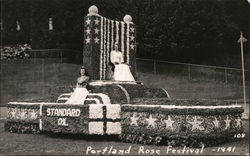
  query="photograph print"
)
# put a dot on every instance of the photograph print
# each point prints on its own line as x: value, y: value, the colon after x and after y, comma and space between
x: 124, y: 77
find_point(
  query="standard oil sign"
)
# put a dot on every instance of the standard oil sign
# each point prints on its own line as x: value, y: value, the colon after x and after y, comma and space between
x: 64, y: 118
x: 63, y: 113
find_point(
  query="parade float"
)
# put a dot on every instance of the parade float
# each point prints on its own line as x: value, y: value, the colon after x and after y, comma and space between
x: 129, y: 110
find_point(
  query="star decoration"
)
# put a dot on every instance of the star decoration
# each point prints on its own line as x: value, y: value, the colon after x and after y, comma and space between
x: 23, y: 114
x: 97, y: 21
x: 238, y: 122
x: 227, y: 121
x: 169, y: 123
x: 132, y: 29
x: 134, y: 120
x: 33, y: 114
x: 12, y: 113
x: 96, y: 31
x: 88, y: 21
x: 88, y: 30
x: 132, y: 38
x: 96, y: 40
x: 216, y: 122
x: 196, y: 124
x: 151, y: 121
x: 17, y: 115
x: 87, y: 40
x: 132, y: 46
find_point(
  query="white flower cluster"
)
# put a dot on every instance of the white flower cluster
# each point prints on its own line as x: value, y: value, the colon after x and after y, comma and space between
x: 96, y: 128
x: 101, y: 50
x: 113, y: 128
x: 128, y: 37
x: 95, y: 111
x: 104, y: 50
x: 113, y: 111
x: 23, y: 114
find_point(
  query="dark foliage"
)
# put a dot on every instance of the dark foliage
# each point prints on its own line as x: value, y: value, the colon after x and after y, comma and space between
x: 178, y: 30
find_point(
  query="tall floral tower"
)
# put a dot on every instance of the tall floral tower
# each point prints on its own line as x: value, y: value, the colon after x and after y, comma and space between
x: 100, y: 36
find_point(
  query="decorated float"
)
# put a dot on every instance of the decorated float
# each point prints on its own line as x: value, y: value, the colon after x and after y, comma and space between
x: 127, y: 109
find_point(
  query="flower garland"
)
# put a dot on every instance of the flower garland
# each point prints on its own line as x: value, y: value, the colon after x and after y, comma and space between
x: 103, y: 83
x: 122, y: 38
x: 112, y: 35
x: 128, y: 28
x: 184, y: 107
x: 117, y: 31
x: 40, y: 120
x: 101, y: 50
x: 105, y: 49
x: 108, y: 49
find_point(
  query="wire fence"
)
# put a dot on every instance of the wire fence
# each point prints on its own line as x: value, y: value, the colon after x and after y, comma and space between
x: 45, y: 71
x: 156, y: 67
x: 190, y: 71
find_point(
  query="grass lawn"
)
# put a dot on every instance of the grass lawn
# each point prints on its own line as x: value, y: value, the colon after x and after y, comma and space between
x: 34, y: 80
x: 30, y: 79
x: 47, y: 144
x: 182, y: 87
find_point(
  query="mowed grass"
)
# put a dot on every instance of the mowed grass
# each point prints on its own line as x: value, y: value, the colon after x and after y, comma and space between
x: 39, y: 78
x: 45, y: 144
x: 30, y: 79
x: 182, y: 87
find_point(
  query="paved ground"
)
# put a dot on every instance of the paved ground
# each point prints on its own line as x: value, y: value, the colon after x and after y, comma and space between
x: 45, y: 144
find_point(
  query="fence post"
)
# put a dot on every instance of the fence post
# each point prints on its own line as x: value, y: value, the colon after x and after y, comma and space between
x: 154, y: 67
x: 189, y: 73
x: 226, y: 75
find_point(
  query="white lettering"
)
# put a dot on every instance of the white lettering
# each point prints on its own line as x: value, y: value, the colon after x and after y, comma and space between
x: 62, y: 112
x: 78, y: 112
x: 128, y: 150
x: 142, y: 150
x: 169, y: 148
x: 48, y: 112
x: 62, y: 122
x: 89, y: 148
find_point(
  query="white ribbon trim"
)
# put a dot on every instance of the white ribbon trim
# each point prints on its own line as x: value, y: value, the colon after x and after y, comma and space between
x: 184, y: 107
x: 105, y: 98
x: 97, y: 101
x: 125, y: 92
